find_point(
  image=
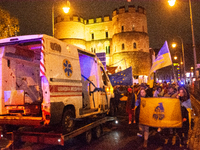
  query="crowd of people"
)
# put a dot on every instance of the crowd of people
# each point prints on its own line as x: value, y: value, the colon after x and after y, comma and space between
x: 134, y: 94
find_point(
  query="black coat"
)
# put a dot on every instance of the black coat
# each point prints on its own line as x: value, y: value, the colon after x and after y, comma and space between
x: 130, y: 103
x: 185, y: 115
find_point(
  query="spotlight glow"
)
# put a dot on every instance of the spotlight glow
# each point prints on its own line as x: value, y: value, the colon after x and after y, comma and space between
x: 171, y: 2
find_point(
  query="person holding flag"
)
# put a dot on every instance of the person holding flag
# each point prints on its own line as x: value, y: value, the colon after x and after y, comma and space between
x: 162, y: 60
x: 144, y: 130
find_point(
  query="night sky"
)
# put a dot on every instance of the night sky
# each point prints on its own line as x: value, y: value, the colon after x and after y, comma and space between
x: 164, y: 22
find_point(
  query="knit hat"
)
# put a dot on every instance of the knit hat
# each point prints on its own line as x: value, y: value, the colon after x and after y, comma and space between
x: 129, y: 89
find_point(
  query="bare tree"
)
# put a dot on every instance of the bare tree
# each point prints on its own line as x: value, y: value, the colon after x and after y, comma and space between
x: 9, y: 26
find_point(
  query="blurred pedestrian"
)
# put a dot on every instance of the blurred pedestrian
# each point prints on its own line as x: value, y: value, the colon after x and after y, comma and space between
x: 149, y: 91
x: 130, y: 106
x: 144, y: 130
x: 172, y: 92
x: 117, y: 97
x: 185, y: 105
x: 159, y: 92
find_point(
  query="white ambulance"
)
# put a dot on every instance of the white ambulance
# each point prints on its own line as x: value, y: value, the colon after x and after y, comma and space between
x: 45, y: 81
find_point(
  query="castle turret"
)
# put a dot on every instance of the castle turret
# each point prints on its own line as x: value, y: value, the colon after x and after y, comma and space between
x: 70, y: 29
x: 130, y: 41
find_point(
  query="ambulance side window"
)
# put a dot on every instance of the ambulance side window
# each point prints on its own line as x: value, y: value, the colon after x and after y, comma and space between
x: 104, y: 78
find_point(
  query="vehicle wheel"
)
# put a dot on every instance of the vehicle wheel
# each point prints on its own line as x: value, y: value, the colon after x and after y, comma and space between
x: 88, y: 136
x: 97, y: 132
x: 68, y: 121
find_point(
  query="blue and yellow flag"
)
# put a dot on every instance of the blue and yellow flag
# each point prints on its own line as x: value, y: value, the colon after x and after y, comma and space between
x: 160, y: 112
x: 122, y: 78
x: 162, y: 60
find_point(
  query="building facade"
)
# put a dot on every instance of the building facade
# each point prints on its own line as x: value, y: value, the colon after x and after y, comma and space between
x: 123, y: 37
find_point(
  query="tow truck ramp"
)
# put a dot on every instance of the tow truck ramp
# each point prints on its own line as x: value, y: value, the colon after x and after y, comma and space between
x: 54, y: 138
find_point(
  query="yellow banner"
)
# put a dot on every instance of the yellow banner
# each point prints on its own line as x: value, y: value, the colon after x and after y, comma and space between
x: 160, y: 112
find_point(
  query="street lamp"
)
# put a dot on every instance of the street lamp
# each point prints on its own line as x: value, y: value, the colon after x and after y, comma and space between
x: 174, y: 45
x: 175, y: 57
x: 171, y: 3
x: 183, y: 53
x: 65, y: 9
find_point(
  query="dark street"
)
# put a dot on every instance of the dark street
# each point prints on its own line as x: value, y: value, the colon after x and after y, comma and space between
x: 121, y: 136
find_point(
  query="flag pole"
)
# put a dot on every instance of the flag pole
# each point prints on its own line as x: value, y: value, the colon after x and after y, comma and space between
x: 125, y: 63
x: 175, y: 80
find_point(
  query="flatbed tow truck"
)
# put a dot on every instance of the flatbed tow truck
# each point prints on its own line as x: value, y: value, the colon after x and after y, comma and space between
x: 54, y: 136
x: 47, y: 86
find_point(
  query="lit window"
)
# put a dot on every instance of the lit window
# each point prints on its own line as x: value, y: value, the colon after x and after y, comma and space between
x: 134, y: 45
x: 122, y: 46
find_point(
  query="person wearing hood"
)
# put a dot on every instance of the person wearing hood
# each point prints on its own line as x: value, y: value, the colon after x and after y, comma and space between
x: 185, y: 106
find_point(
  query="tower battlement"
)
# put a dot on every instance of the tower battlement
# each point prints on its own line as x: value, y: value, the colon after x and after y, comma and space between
x: 106, y: 18
x: 131, y: 9
x: 76, y: 18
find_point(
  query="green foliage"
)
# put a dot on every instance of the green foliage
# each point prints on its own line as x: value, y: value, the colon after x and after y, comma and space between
x: 9, y: 26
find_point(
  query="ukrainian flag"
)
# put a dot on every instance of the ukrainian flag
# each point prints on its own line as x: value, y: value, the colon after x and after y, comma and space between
x: 162, y: 60
x: 160, y: 112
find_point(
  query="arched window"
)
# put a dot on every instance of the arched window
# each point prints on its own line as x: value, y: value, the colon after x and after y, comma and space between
x: 106, y: 34
x: 123, y: 46
x: 133, y: 28
x: 122, y: 28
x: 134, y: 45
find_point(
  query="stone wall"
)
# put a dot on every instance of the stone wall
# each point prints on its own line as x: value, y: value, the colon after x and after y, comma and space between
x: 140, y: 61
x: 128, y: 39
x: 131, y: 21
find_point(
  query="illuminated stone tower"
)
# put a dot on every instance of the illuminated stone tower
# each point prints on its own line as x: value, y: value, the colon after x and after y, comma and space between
x: 130, y: 40
x: 124, y: 37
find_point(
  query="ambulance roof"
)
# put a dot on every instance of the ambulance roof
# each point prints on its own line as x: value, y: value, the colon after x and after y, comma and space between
x: 20, y: 39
